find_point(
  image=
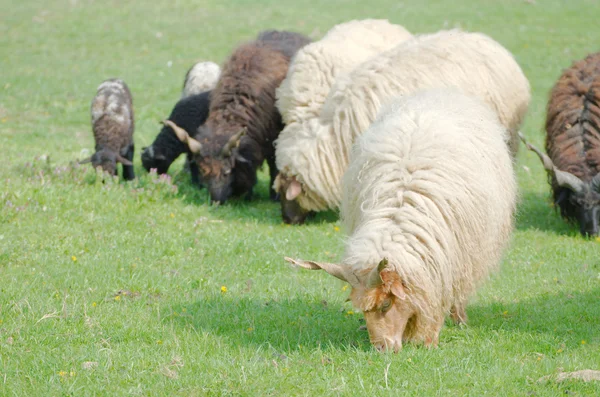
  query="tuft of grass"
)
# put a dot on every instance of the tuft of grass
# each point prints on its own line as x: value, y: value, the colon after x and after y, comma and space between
x: 142, y: 288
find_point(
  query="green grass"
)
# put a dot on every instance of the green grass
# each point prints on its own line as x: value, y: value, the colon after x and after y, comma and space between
x: 129, y: 276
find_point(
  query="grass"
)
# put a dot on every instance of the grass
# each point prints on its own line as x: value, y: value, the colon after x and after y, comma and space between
x: 143, y: 289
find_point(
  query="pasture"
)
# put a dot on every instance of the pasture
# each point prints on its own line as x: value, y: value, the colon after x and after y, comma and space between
x: 142, y: 288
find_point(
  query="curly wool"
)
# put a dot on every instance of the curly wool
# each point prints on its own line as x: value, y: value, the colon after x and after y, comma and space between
x: 431, y: 187
x: 201, y: 77
x: 472, y: 62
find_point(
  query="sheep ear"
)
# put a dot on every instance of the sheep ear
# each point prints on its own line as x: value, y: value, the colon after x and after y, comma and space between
x: 123, y: 160
x: 293, y: 190
x: 334, y: 269
x: 563, y: 178
x: 85, y: 161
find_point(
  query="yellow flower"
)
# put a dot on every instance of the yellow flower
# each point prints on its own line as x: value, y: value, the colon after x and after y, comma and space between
x: 118, y: 297
x: 250, y: 329
x: 94, y: 304
x: 345, y: 287
x: 223, y: 289
x: 62, y: 373
x: 598, y: 239
x: 336, y: 228
x: 74, y: 258
x: 172, y: 215
x: 349, y: 312
x: 583, y: 342
x: 159, y: 342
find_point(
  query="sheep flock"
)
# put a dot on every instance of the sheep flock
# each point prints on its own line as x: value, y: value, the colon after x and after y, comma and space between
x: 412, y: 138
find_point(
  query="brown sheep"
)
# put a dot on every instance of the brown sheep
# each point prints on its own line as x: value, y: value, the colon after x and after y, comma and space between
x: 573, y: 144
x: 243, y: 121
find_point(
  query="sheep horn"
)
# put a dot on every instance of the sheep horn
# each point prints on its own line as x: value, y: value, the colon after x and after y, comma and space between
x: 183, y: 136
x: 563, y: 178
x: 332, y: 268
x: 233, y: 142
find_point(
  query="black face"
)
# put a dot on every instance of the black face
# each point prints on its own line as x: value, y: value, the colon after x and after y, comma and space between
x: 291, y: 212
x: 587, y: 205
x: 151, y: 159
x: 106, y: 160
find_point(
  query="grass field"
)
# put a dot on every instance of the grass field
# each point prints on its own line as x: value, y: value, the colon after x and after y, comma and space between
x: 142, y: 288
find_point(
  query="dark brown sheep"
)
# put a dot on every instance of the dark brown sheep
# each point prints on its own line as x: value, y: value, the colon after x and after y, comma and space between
x: 573, y: 144
x: 243, y: 121
x: 113, y: 125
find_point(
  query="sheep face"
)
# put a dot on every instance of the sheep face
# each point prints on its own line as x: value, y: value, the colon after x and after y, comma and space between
x: 382, y: 296
x: 107, y: 160
x: 289, y: 189
x: 152, y: 158
x: 217, y: 174
x: 583, y: 205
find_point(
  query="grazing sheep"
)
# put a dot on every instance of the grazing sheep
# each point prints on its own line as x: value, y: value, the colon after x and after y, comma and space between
x: 243, y: 121
x: 113, y: 125
x: 573, y: 144
x: 201, y: 77
x: 311, y: 75
x: 189, y: 113
x: 429, y: 198
x: 312, y: 161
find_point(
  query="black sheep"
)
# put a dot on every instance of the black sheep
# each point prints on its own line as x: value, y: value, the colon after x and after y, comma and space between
x: 189, y: 113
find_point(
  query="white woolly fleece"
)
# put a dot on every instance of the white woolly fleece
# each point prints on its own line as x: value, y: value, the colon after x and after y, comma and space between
x: 201, y: 77
x: 431, y: 187
x: 317, y: 152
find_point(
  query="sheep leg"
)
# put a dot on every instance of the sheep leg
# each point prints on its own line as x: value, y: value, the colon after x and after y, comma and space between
x: 194, y: 173
x: 273, y: 173
x: 128, y: 173
x: 458, y: 314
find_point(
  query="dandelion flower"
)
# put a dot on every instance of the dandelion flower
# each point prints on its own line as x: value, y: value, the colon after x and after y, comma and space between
x: 345, y: 287
x: 223, y: 289
x: 74, y: 258
x: 336, y: 228
x: 118, y: 297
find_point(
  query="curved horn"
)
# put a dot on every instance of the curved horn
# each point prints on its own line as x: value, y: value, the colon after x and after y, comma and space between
x: 563, y: 178
x: 183, y: 136
x: 233, y: 142
x: 332, y: 268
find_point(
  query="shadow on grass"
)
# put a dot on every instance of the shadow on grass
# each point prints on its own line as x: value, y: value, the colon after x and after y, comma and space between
x: 261, y: 208
x: 536, y: 212
x: 570, y: 316
x: 286, y: 325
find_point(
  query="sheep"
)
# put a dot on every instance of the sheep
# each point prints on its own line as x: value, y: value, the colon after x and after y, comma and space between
x: 189, y: 113
x: 243, y: 121
x: 113, y: 125
x: 313, y: 159
x: 201, y: 77
x: 573, y: 144
x: 428, y: 204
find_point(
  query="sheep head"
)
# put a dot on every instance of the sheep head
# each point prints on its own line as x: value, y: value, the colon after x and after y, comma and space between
x: 289, y: 189
x: 382, y: 296
x: 107, y: 160
x: 578, y: 199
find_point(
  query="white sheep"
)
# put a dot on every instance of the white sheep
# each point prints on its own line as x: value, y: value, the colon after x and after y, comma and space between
x: 201, y: 77
x: 428, y: 204
x: 316, y: 66
x: 312, y: 161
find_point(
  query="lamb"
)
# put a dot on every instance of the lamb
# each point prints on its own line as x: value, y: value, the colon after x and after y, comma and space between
x: 189, y: 113
x: 573, y: 144
x: 113, y: 125
x: 313, y: 159
x: 428, y: 203
x: 201, y: 77
x: 243, y: 121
